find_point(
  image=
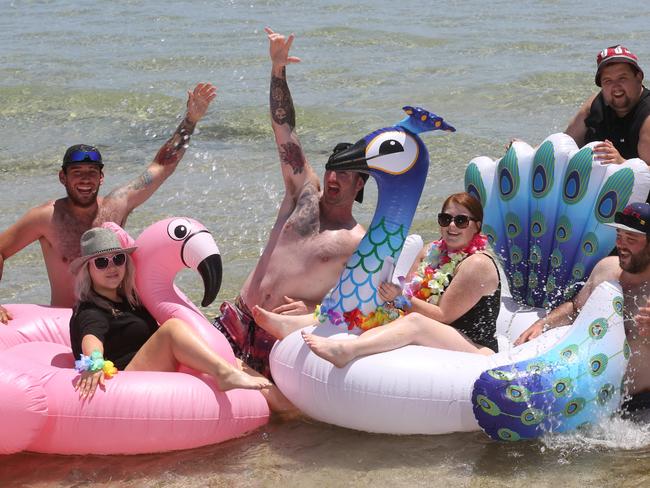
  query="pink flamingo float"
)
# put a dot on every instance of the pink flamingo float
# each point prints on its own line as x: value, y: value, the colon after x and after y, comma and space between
x: 138, y: 412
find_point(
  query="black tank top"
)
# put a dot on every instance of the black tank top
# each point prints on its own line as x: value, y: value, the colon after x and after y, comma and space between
x: 479, y: 323
x: 603, y: 123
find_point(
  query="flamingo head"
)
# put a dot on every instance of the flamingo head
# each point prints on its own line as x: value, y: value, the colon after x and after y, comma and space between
x: 170, y: 245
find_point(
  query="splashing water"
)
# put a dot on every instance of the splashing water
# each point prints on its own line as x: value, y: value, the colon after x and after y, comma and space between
x: 610, y: 434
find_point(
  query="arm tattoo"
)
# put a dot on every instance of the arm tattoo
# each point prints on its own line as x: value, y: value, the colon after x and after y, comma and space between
x: 291, y: 154
x: 143, y: 181
x: 172, y: 150
x: 282, y: 110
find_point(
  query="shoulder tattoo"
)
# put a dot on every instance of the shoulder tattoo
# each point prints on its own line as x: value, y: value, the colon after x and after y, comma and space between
x: 306, y: 217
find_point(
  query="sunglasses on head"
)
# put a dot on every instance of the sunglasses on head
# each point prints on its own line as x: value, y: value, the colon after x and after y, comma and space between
x: 83, y: 156
x: 461, y: 221
x: 102, y: 261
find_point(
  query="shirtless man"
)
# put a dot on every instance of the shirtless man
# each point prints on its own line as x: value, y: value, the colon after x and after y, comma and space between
x: 631, y: 268
x: 313, y: 236
x: 58, y: 224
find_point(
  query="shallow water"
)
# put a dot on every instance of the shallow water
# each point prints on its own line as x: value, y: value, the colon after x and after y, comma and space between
x: 306, y: 453
x: 115, y: 74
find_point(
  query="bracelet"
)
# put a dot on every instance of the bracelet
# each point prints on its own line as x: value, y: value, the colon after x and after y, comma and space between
x: 402, y: 302
x: 95, y: 362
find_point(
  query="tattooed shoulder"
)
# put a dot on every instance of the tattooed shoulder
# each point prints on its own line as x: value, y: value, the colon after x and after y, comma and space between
x: 305, y: 219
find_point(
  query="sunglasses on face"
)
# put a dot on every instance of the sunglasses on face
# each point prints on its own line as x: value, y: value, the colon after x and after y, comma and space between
x: 83, y: 156
x: 102, y: 261
x: 461, y: 221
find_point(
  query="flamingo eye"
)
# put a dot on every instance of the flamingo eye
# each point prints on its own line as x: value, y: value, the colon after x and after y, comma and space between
x: 393, y: 152
x: 179, y: 229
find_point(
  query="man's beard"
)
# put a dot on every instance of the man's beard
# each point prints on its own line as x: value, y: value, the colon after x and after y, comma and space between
x: 621, y: 103
x: 79, y: 203
x: 637, y: 263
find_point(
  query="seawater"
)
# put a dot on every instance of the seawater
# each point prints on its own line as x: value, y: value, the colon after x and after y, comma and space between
x: 115, y: 74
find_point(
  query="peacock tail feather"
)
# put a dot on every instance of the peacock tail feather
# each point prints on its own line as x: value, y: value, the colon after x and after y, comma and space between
x: 566, y: 200
x: 545, y: 212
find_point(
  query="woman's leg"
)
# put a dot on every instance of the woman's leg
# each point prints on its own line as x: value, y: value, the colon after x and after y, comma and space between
x: 413, y: 328
x: 278, y: 325
x: 175, y: 342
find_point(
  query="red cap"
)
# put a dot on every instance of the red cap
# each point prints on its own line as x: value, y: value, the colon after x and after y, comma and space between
x: 615, y: 54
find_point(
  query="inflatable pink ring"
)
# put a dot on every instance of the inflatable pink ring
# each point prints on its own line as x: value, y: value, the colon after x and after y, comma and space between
x: 138, y: 412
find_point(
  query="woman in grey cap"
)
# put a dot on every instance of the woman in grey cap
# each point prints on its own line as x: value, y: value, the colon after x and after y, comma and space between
x: 109, y: 321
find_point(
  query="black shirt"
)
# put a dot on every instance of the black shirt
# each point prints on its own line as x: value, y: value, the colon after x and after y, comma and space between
x: 123, y: 330
x: 603, y: 123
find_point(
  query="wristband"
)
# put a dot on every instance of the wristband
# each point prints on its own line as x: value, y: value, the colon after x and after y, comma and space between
x: 402, y: 302
x: 95, y: 362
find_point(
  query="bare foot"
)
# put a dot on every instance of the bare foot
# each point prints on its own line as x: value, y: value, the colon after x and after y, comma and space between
x: 280, y: 326
x: 333, y: 351
x: 278, y: 403
x: 239, y: 379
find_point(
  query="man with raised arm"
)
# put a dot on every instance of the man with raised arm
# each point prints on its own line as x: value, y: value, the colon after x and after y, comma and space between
x: 59, y: 224
x: 631, y: 268
x: 313, y: 236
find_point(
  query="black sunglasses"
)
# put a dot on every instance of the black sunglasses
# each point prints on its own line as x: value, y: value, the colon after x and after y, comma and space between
x: 83, y: 156
x: 461, y: 221
x: 102, y: 261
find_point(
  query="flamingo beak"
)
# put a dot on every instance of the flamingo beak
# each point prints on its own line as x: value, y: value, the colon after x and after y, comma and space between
x: 211, y: 271
x: 201, y: 253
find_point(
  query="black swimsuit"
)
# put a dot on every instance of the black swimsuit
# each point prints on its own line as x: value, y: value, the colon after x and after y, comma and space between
x: 479, y: 323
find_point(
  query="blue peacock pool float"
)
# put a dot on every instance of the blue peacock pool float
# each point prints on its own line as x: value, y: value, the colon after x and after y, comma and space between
x: 545, y: 212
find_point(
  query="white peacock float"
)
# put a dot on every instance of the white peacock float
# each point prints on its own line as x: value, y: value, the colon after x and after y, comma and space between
x: 545, y: 211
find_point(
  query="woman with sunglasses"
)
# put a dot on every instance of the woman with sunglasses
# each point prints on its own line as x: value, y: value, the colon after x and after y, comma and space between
x: 108, y: 321
x: 452, y: 301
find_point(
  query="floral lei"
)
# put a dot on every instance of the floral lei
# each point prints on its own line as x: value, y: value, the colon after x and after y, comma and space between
x: 433, y: 277
x: 438, y: 267
x: 356, y: 318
